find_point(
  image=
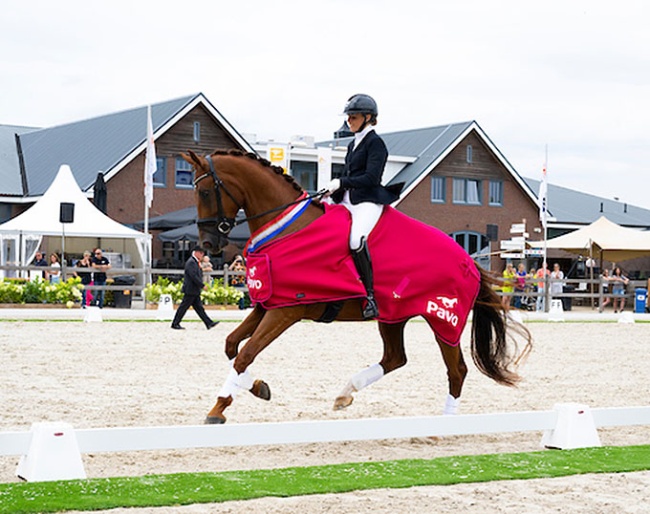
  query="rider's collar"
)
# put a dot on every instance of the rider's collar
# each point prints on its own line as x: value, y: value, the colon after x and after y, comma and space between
x: 358, y: 137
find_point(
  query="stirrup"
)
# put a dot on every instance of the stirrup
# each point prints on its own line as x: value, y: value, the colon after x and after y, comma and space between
x: 370, y: 311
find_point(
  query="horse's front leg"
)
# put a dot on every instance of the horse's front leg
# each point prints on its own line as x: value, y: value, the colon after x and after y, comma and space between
x: 243, y: 331
x: 394, y: 357
x: 272, y: 325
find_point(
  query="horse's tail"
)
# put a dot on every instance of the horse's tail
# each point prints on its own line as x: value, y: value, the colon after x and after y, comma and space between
x: 494, y: 351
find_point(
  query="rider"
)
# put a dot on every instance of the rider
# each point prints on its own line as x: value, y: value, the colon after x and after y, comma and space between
x: 360, y: 190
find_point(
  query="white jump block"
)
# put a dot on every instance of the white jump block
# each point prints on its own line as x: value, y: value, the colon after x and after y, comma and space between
x: 556, y: 312
x: 165, y: 307
x: 626, y: 317
x: 93, y: 314
x: 53, y: 454
x: 575, y: 428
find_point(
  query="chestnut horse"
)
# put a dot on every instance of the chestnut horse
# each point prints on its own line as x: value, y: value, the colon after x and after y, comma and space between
x: 226, y: 182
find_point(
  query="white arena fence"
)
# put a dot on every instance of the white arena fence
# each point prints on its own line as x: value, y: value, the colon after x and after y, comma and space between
x: 52, y: 451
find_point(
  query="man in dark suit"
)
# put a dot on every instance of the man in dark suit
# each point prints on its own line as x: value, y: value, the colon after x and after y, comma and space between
x: 192, y: 287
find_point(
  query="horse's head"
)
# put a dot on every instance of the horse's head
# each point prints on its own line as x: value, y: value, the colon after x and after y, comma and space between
x: 216, y: 203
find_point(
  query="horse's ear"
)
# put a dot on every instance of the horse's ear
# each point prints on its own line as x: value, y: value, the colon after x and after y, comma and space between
x: 192, y: 158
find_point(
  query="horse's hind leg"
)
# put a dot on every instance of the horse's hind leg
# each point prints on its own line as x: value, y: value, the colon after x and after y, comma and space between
x: 394, y: 357
x: 456, y: 373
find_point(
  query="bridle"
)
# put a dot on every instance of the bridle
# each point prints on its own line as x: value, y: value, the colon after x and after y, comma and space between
x: 223, y: 224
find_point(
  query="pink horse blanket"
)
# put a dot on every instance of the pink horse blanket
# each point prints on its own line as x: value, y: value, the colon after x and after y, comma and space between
x: 418, y: 270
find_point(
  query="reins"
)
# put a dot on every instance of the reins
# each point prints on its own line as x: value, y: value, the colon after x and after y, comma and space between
x: 225, y: 224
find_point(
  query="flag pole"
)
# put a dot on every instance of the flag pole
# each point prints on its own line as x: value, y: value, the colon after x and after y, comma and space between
x: 149, y: 171
x: 543, y: 216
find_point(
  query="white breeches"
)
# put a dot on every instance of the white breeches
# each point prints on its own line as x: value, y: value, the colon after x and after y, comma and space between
x: 365, y: 216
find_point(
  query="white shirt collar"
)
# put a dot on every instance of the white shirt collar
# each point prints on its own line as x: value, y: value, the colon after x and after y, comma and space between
x: 358, y: 137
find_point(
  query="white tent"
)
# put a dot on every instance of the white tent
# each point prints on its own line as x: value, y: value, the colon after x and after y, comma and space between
x: 604, y: 239
x: 39, y: 227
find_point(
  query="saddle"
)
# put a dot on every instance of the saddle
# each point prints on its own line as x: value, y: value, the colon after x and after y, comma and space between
x: 418, y: 270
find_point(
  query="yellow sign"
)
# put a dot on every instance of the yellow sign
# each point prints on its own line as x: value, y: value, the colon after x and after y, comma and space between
x: 276, y: 154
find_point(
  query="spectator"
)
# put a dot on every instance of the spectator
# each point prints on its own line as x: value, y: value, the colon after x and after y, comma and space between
x: 85, y: 263
x: 520, y: 284
x: 619, y: 281
x: 55, y: 273
x: 541, y: 275
x: 557, y: 281
x: 605, y: 278
x: 508, y: 284
x: 101, y: 265
x: 40, y: 261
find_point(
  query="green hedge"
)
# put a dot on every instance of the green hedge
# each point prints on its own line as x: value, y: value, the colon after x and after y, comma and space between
x: 15, y: 290
x: 216, y: 293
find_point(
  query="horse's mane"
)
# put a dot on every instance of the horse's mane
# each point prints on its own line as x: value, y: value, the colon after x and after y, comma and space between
x: 264, y: 162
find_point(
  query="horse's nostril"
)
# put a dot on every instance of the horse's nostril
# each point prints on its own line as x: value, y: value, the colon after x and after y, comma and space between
x: 207, y: 245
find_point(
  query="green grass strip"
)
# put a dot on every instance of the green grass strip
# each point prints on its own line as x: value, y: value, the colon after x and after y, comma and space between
x: 189, y: 488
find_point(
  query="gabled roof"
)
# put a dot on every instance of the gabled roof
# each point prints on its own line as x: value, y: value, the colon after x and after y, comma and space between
x: 105, y: 143
x: 572, y: 207
x: 429, y: 146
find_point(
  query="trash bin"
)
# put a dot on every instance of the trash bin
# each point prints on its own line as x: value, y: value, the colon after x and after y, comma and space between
x: 640, y: 297
x: 123, y: 298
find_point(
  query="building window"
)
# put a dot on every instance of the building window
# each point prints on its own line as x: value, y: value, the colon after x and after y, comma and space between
x: 184, y: 174
x: 306, y: 174
x: 337, y: 170
x: 496, y: 193
x: 467, y: 190
x: 438, y: 187
x: 476, y: 245
x: 197, y: 132
x: 160, y: 177
x: 469, y: 154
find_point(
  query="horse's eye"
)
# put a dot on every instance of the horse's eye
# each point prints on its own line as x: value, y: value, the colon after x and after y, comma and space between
x: 204, y: 194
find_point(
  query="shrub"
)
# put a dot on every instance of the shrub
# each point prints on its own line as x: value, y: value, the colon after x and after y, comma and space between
x: 39, y: 291
x: 216, y: 294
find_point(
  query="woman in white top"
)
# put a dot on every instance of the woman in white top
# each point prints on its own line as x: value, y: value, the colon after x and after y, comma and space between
x: 55, y: 274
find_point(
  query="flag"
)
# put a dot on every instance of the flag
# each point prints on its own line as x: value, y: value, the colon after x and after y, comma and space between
x: 543, y: 199
x: 150, y: 161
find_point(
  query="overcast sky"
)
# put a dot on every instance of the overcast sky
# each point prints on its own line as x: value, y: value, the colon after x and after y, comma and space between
x: 573, y: 76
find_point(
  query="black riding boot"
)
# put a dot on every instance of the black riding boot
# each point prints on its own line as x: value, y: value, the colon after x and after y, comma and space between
x: 361, y: 257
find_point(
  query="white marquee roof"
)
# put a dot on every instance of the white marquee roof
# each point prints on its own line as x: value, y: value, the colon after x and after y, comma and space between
x: 43, y: 217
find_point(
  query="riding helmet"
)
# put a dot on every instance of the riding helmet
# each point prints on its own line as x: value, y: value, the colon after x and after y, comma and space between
x: 361, y: 104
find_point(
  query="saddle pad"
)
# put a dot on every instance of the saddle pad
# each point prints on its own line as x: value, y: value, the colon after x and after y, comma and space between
x: 418, y: 270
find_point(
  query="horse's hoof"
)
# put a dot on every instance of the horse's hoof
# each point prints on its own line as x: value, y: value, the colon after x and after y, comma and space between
x: 342, y: 402
x: 261, y: 389
x: 214, y: 420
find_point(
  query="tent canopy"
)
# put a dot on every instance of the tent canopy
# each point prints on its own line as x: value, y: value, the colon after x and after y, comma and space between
x: 606, y: 240
x: 22, y: 235
x: 170, y: 220
x: 239, y: 234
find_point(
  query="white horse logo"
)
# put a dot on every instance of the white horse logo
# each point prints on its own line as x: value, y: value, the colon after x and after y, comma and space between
x: 449, y: 303
x: 252, y: 271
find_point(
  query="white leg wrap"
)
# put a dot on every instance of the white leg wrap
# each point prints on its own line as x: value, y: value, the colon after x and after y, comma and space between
x: 368, y: 376
x: 451, y: 405
x: 236, y: 382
